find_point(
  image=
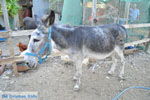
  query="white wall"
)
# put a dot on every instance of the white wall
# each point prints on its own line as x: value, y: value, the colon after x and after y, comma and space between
x: 40, y: 7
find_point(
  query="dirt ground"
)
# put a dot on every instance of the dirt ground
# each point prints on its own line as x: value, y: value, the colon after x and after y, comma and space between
x: 53, y: 79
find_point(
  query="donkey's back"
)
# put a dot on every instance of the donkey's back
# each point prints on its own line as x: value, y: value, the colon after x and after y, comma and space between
x: 98, y: 39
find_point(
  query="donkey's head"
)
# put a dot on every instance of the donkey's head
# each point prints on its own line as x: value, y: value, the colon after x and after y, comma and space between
x: 38, y: 39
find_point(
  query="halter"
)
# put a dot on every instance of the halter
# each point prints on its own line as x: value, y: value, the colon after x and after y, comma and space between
x: 47, y: 45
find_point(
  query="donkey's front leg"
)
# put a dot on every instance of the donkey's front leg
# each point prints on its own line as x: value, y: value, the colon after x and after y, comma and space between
x: 113, y: 67
x: 78, y: 74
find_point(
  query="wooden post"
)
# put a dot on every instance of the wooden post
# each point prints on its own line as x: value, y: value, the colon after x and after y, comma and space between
x: 94, y: 11
x: 12, y: 54
x: 12, y: 61
x: 5, y: 14
x: 127, y: 10
x: 147, y: 45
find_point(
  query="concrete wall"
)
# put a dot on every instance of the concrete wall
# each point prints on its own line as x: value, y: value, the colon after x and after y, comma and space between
x: 40, y: 7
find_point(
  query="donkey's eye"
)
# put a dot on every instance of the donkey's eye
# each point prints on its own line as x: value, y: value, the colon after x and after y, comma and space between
x: 36, y: 40
x: 38, y: 34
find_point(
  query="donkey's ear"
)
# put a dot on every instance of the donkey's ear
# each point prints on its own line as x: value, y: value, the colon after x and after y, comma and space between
x: 49, y: 19
x: 52, y: 17
x: 38, y: 21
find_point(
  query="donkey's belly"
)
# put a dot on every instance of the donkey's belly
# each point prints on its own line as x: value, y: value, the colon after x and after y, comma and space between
x: 97, y: 55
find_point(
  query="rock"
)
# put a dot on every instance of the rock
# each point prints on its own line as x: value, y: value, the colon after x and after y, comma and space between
x: 85, y: 62
x: 5, y: 77
x: 8, y: 72
x: 11, y: 82
x: 107, y: 77
x: 65, y: 58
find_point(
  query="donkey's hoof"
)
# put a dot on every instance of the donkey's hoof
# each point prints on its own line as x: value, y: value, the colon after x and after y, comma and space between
x: 110, y: 72
x: 121, y: 77
x: 76, y: 88
x: 75, y: 78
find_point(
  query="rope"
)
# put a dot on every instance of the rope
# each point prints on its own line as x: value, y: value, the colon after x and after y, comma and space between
x: 47, y: 45
x: 134, y: 87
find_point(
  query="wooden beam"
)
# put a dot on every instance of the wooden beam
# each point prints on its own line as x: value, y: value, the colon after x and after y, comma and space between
x: 11, y: 60
x: 4, y: 34
x: 137, y: 25
x: 146, y: 40
x: 21, y: 33
x: 130, y: 51
x: 28, y: 32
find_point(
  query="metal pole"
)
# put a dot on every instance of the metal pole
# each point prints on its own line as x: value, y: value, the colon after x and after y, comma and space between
x: 127, y: 8
x: 84, y: 12
x: 94, y: 11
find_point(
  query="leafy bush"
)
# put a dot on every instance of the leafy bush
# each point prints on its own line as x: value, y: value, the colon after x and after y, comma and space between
x: 12, y: 7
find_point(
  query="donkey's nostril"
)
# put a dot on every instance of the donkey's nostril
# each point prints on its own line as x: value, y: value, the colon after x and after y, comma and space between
x: 36, y: 40
x: 28, y: 64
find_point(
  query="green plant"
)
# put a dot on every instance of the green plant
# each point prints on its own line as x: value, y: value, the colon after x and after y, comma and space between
x: 12, y: 7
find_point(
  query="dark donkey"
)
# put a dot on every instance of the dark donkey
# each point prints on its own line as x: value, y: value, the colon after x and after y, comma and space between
x: 80, y: 42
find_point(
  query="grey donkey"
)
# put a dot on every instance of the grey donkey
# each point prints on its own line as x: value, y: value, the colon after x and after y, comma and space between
x: 80, y: 42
